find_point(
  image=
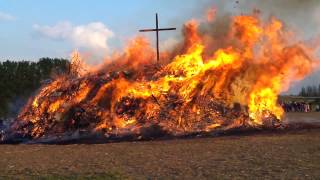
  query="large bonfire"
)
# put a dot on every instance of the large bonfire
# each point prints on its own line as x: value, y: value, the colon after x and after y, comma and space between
x: 218, y: 78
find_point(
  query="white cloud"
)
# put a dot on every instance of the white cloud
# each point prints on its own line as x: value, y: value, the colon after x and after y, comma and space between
x: 6, y: 17
x: 62, y: 30
x: 93, y: 36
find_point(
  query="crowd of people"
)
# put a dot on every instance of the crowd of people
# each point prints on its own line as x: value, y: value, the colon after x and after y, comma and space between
x: 299, y: 107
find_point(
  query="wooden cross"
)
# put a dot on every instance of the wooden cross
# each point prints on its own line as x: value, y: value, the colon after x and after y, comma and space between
x: 157, y: 33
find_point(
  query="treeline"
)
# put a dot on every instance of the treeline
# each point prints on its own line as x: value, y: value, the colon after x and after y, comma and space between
x: 21, y: 79
x: 310, y: 91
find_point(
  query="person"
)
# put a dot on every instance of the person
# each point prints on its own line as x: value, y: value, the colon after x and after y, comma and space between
x: 308, y: 107
x: 305, y: 107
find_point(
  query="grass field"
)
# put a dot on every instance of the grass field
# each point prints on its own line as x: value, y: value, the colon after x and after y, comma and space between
x: 290, y: 155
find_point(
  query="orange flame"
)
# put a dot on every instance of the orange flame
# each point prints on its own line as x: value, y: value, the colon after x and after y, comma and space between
x: 257, y: 62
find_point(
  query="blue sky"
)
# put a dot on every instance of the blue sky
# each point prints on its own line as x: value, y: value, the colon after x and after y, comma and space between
x: 28, y: 28
x: 19, y: 39
x: 32, y: 29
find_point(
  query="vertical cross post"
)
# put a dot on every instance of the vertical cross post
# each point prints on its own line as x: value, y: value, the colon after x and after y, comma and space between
x: 157, y: 27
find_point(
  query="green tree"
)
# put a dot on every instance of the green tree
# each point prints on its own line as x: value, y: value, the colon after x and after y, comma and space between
x: 303, y: 92
x: 20, y: 79
x: 314, y: 91
x: 309, y: 91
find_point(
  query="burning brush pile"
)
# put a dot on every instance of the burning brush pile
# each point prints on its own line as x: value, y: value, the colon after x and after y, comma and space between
x: 218, y: 79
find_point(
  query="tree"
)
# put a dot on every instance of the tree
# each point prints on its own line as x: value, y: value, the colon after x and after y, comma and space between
x: 309, y: 91
x: 314, y: 91
x: 303, y: 92
x: 20, y: 79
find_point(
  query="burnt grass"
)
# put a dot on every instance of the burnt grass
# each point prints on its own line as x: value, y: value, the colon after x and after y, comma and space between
x: 293, y: 153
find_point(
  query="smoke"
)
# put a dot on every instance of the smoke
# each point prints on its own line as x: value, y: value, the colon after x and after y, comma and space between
x: 16, y: 105
x: 283, y: 8
x: 300, y: 16
x: 227, y: 72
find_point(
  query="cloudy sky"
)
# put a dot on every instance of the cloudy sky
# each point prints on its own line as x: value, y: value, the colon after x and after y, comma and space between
x: 33, y: 29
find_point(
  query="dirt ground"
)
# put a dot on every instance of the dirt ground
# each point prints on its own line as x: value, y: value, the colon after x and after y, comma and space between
x: 313, y: 117
x: 289, y: 155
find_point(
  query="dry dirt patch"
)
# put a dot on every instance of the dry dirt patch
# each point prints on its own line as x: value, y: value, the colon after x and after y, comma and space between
x: 294, y: 154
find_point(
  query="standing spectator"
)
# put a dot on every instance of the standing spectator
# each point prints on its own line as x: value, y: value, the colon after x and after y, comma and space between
x: 305, y: 107
x: 308, y: 107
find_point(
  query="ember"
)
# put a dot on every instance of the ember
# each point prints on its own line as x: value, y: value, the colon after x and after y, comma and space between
x: 210, y: 85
